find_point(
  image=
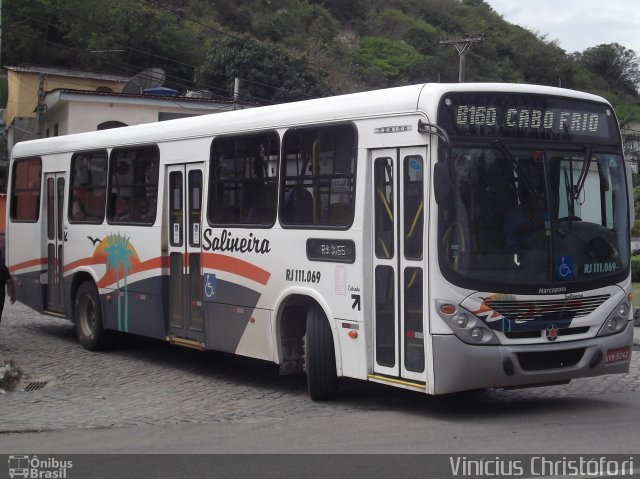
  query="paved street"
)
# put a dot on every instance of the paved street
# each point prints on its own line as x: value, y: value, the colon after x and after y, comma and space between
x: 147, y: 383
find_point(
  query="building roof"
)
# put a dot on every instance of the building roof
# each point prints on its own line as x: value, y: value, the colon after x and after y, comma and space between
x: 60, y: 94
x: 67, y: 72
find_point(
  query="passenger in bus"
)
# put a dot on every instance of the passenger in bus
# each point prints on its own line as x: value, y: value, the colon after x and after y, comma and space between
x: 77, y: 211
x: 524, y: 224
x: 135, y: 212
x: 6, y: 282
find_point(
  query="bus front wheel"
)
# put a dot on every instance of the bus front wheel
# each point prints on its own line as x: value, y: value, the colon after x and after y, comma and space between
x: 320, y: 358
x: 88, y: 318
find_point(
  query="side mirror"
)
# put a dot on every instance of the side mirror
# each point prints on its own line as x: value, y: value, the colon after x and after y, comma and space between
x: 442, y: 182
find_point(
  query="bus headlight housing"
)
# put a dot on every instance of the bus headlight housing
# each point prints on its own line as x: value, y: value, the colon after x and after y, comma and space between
x: 467, y: 327
x: 617, y: 320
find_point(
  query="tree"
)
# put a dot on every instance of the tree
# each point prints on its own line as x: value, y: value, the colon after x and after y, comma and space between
x: 118, y: 36
x: 617, y: 65
x: 268, y: 73
x: 382, y: 59
x: 629, y: 119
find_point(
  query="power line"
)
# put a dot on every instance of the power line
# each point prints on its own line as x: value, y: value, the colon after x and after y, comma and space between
x: 176, y: 80
x: 462, y: 45
x: 236, y: 37
x: 132, y: 68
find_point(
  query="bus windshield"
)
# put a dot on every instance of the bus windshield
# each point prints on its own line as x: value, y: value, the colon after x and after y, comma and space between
x: 534, y: 220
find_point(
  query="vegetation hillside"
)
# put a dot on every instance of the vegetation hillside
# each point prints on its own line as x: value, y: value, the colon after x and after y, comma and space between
x: 291, y: 49
x: 287, y: 50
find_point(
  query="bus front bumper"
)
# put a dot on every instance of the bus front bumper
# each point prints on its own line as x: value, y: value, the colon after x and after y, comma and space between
x: 459, y: 366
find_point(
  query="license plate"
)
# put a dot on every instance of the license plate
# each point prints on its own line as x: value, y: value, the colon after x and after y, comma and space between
x: 618, y: 355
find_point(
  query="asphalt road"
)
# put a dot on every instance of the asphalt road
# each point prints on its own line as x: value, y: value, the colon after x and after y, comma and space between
x: 146, y: 397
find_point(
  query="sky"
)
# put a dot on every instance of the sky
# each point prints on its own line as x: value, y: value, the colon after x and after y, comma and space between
x: 576, y: 24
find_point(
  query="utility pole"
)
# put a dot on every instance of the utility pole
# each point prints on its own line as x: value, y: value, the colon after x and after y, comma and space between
x: 236, y: 92
x: 41, y: 108
x: 462, y: 45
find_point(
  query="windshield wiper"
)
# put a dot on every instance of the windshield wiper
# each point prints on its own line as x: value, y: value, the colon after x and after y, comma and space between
x: 569, y: 192
x: 521, y: 174
x: 583, y: 174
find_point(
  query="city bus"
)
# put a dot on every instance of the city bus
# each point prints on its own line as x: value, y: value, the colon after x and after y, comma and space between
x: 433, y: 237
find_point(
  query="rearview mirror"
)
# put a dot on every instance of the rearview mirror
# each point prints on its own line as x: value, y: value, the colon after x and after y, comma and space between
x: 442, y: 182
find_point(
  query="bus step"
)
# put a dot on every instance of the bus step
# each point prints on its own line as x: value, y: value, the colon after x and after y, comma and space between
x: 403, y: 383
x: 187, y: 343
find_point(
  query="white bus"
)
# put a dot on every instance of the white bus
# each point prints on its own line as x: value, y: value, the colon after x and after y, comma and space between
x: 435, y: 237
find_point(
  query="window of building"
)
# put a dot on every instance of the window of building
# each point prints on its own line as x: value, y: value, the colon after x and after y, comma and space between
x: 25, y: 190
x: 88, y: 187
x: 318, y: 187
x: 133, y: 185
x: 243, y: 180
x: 107, y: 125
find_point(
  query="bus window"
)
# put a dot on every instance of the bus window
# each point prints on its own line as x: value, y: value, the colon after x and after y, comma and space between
x: 319, y: 176
x: 133, y: 185
x: 383, y: 205
x: 88, y: 187
x: 243, y: 180
x: 25, y: 197
x: 413, y: 206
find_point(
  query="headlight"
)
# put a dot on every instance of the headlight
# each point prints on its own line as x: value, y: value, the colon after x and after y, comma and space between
x: 623, y: 309
x: 476, y: 334
x: 461, y: 320
x: 617, y: 320
x: 466, y: 326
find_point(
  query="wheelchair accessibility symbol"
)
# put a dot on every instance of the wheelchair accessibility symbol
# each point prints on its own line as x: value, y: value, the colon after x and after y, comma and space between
x: 209, y: 285
x: 564, y: 267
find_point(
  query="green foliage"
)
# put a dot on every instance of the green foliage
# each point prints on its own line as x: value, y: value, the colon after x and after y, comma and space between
x: 391, y: 59
x: 614, y: 63
x: 635, y: 269
x: 635, y: 231
x: 628, y: 113
x: 332, y: 45
x: 303, y: 24
x: 118, y: 36
x: 269, y: 74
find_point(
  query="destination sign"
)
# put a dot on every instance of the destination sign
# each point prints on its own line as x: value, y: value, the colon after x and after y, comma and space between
x: 526, y: 116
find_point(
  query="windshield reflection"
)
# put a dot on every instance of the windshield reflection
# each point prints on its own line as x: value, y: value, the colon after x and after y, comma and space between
x: 533, y: 217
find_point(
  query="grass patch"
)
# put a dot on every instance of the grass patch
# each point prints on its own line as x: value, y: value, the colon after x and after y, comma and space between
x: 635, y: 289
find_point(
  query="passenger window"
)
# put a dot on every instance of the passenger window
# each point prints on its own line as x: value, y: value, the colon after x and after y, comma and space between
x: 319, y: 176
x: 25, y: 190
x: 88, y: 187
x: 243, y: 180
x: 133, y: 185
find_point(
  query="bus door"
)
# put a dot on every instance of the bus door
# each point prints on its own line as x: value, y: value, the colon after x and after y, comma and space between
x: 54, y: 214
x: 399, y: 262
x: 184, y: 192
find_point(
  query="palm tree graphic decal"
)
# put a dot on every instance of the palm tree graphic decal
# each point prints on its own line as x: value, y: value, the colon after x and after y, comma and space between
x: 118, y: 258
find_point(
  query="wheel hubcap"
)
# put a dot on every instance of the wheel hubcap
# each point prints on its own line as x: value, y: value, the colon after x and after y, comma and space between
x: 87, y: 315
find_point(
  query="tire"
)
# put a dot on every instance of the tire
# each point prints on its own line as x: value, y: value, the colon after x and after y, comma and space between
x: 320, y: 358
x: 88, y: 318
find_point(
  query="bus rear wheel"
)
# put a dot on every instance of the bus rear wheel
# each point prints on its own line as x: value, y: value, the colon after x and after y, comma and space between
x: 319, y: 356
x: 88, y: 318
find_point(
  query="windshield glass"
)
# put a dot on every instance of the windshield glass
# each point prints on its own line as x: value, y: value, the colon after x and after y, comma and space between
x: 534, y: 220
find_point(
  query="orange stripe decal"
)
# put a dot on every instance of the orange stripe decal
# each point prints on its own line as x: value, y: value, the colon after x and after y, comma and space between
x: 95, y: 259
x: 209, y: 260
x: 28, y: 264
x: 235, y: 266
x: 154, y: 263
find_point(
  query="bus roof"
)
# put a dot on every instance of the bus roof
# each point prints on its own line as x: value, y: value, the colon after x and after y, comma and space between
x: 387, y: 102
